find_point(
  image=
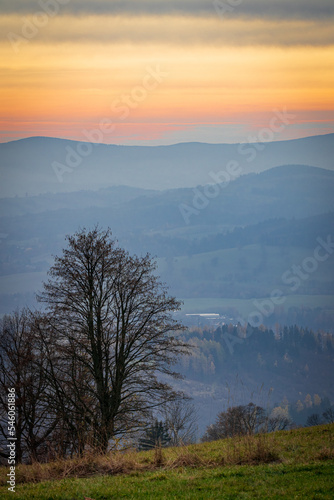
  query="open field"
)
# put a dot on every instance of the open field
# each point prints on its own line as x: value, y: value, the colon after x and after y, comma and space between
x: 288, y: 464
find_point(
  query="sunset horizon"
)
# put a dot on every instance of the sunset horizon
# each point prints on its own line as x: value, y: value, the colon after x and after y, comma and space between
x: 158, y: 73
x: 152, y: 144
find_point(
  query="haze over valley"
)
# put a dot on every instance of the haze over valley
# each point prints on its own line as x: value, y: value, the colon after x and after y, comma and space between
x: 232, y: 237
x: 166, y: 226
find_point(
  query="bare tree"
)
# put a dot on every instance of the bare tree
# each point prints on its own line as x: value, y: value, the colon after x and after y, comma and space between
x: 278, y: 419
x: 110, y: 334
x: 22, y: 366
x: 313, y: 419
x: 67, y: 396
x: 278, y: 423
x: 181, y: 421
x: 236, y: 421
x: 329, y: 415
x: 228, y: 424
x: 252, y: 417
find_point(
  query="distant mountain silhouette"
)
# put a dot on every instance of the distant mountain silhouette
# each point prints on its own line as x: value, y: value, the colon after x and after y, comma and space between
x: 288, y: 191
x: 41, y: 164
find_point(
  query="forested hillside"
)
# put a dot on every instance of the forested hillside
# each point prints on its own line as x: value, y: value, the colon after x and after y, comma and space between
x: 286, y: 368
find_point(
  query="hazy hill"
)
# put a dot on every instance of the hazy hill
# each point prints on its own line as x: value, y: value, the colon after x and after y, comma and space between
x: 236, y: 245
x: 288, y: 191
x: 28, y: 165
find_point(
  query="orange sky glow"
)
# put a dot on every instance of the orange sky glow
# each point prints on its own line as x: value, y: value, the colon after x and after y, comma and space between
x: 163, y: 79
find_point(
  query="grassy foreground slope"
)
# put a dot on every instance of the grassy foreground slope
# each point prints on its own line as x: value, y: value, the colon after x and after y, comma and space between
x: 290, y: 464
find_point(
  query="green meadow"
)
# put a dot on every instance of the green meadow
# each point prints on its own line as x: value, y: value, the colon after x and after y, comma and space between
x: 287, y: 464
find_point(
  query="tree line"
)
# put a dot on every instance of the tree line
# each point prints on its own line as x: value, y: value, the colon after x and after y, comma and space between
x: 251, y: 419
x: 279, y: 351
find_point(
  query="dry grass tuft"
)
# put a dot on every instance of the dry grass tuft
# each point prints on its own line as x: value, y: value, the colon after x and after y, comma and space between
x: 187, y: 458
x: 159, y: 459
x: 327, y: 453
x: 251, y: 450
x: 86, y: 466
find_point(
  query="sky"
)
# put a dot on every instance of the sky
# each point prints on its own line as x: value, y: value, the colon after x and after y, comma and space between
x: 162, y: 72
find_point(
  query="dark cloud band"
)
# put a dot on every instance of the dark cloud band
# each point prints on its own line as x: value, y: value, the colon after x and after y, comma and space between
x: 266, y: 9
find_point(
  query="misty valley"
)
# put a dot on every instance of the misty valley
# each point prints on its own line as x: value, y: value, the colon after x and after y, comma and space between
x: 251, y: 247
